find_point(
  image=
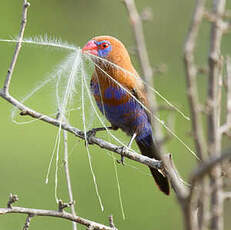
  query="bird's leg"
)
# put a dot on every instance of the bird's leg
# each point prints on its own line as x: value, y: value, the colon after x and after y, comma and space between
x: 92, y: 132
x: 124, y: 148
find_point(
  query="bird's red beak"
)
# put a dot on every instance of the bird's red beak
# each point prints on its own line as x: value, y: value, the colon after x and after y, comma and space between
x: 90, y: 47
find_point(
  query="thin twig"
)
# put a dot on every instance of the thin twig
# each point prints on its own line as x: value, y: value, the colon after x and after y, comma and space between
x: 28, y: 221
x: 205, y: 167
x: 228, y: 106
x: 18, y: 47
x: 53, y: 213
x: 111, y: 222
x: 137, y: 27
x: 227, y: 126
x: 136, y: 23
x: 68, y: 178
x: 12, y: 199
x: 62, y: 205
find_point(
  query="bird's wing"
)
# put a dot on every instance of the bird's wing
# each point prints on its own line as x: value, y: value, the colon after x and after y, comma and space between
x: 139, y: 92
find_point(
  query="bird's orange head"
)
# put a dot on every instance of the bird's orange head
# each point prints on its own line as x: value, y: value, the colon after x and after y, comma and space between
x: 107, y: 47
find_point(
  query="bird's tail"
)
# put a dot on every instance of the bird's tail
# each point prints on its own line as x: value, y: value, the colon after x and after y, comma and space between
x: 147, y: 148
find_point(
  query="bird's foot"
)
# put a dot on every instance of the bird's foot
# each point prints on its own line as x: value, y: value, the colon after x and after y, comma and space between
x: 91, y: 133
x: 122, y: 150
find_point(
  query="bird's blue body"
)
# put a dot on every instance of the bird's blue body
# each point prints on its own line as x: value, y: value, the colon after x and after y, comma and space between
x: 122, y: 110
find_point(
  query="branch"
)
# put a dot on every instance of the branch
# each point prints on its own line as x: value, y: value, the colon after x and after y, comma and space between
x: 60, y: 214
x: 111, y: 221
x: 12, y: 199
x: 53, y: 213
x: 94, y: 140
x: 175, y: 179
x: 206, y: 167
x: 191, y: 74
x: 224, y: 26
x: 213, y: 117
x: 227, y: 126
x: 27, y: 223
x: 136, y: 23
x: 18, y: 47
x: 137, y: 27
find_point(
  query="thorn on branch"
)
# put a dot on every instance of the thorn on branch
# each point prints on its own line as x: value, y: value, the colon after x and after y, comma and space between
x: 63, y: 205
x: 12, y: 199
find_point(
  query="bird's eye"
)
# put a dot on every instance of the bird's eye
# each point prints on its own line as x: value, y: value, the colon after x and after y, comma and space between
x: 104, y: 45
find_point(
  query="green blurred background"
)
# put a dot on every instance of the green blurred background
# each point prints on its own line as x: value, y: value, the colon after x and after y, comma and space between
x: 25, y: 150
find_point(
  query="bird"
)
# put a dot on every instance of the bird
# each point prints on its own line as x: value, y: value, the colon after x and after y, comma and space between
x: 120, y: 95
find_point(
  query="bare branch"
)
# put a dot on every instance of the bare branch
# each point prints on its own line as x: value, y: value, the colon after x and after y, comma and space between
x: 18, y: 47
x: 52, y: 213
x: 63, y: 205
x: 191, y: 74
x: 227, y: 126
x: 94, y: 140
x: 27, y: 223
x: 111, y: 221
x: 68, y: 178
x: 213, y: 117
x: 206, y: 167
x: 217, y: 18
x: 137, y: 27
x: 136, y: 23
x: 176, y: 181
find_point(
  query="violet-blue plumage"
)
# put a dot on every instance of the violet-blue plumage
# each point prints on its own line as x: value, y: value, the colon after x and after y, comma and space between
x: 130, y: 116
x: 119, y: 93
x: 114, y: 92
x: 104, y: 52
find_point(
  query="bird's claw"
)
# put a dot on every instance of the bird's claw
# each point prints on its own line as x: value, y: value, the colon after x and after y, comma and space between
x: 89, y: 134
x: 122, y: 150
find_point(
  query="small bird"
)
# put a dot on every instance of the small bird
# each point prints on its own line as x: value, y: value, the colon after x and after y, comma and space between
x: 120, y: 95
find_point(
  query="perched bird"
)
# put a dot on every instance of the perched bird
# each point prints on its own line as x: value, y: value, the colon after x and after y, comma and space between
x: 120, y: 94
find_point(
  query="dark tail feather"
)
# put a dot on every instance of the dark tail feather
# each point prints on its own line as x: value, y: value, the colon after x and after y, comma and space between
x: 147, y: 148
